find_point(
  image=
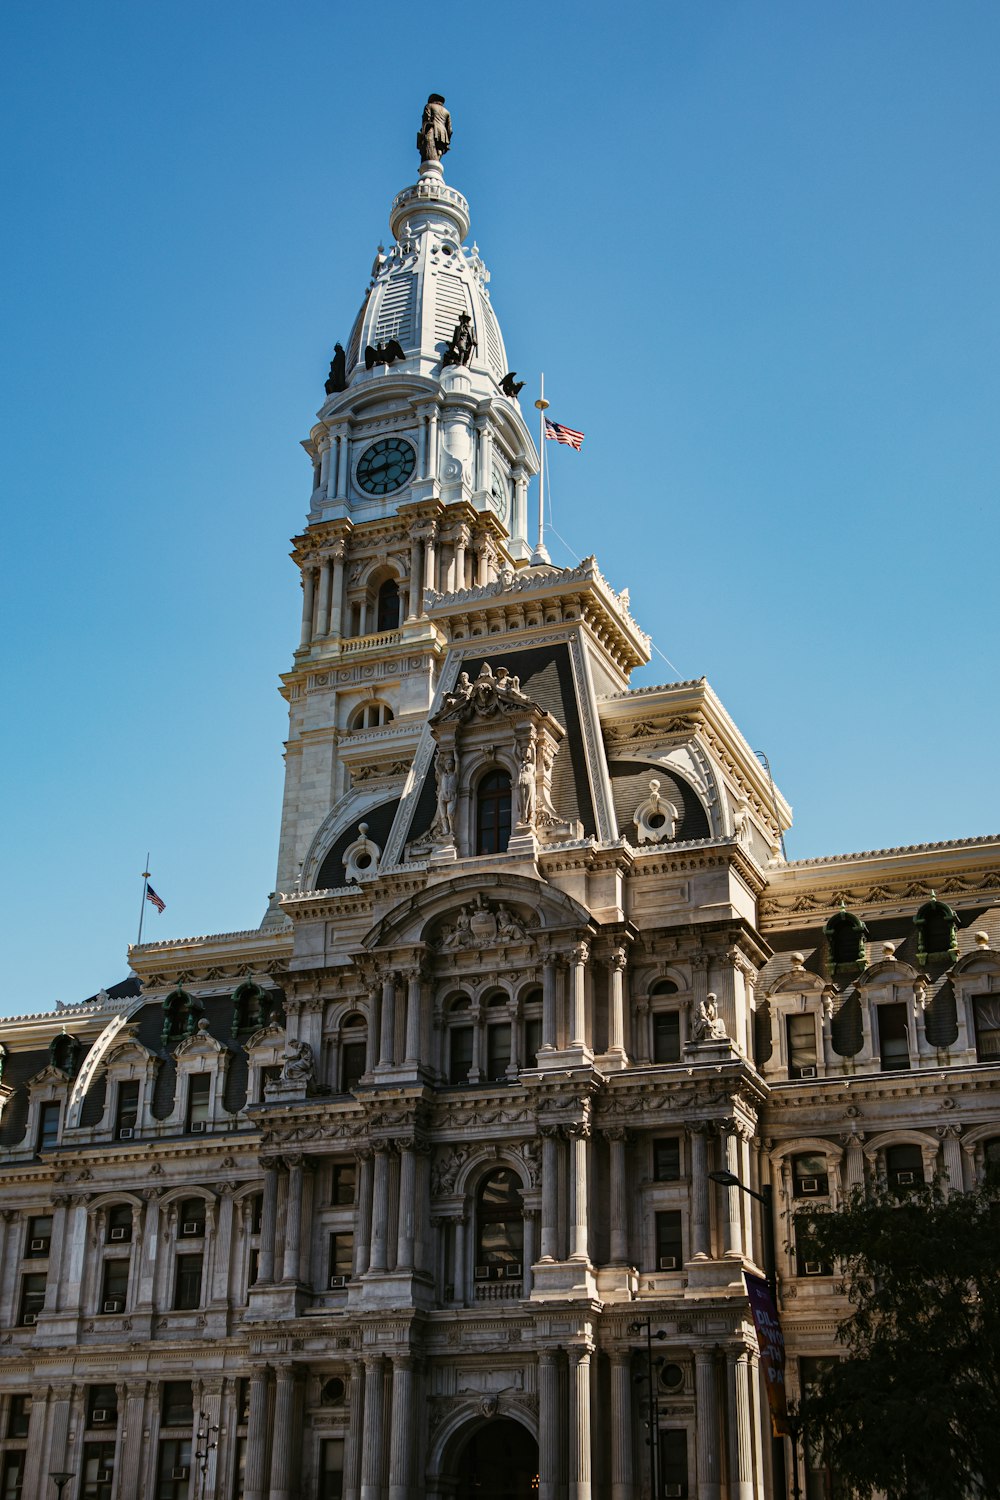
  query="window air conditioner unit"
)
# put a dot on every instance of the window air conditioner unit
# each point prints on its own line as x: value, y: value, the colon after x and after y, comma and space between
x: 179, y: 1471
x: 814, y: 1268
x: 809, y: 1071
x: 40, y: 1244
x: 482, y: 1273
x: 100, y: 1416
x: 338, y: 1280
x: 809, y: 1185
x: 513, y: 1271
x: 673, y: 1490
x: 192, y: 1228
x: 125, y: 1133
x: 906, y: 1179
x: 105, y: 1476
x: 114, y: 1305
x: 668, y: 1263
x: 198, y: 1127
x: 119, y: 1232
x: 28, y: 1320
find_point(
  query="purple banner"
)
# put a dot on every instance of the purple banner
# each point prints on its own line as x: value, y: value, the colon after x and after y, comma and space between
x: 772, y: 1349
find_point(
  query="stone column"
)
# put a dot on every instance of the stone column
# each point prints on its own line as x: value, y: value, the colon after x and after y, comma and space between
x: 741, y: 1485
x: 528, y: 1220
x: 211, y: 1412
x: 579, y: 1424
x: 622, y: 1480
x: 617, y: 1138
x: 578, y: 1157
x: 372, y: 1441
x: 549, y: 1424
x: 222, y: 1246
x: 362, y: 1243
x: 380, y: 1208
x: 414, y: 995
x: 550, y: 1191
x: 520, y: 501
x: 952, y: 1150
x: 355, y: 1418
x: 128, y: 1469
x: 388, y: 1027
x: 268, y: 1223
x: 285, y: 1440
x: 258, y: 1437
x: 36, y: 1453
x: 401, y: 1443
x: 700, y: 1233
x: 61, y: 1397
x: 343, y: 454
x: 325, y: 445
x: 731, y: 1232
x: 461, y: 542
x: 432, y: 447
x: 336, y: 625
x: 708, y: 1425
x: 430, y: 560
x: 616, y: 1027
x: 308, y: 588
x: 416, y: 574
x: 323, y: 604
x: 459, y: 1267
x: 549, y: 979
x: 640, y: 1036
x: 293, y: 1220
x: 407, y: 1204
x: 854, y: 1166
x: 577, y: 990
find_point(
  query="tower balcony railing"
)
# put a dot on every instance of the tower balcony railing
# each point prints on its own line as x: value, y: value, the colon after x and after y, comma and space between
x: 381, y: 641
x: 498, y: 1291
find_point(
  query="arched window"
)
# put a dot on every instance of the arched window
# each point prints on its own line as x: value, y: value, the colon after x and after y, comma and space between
x: 370, y: 716
x: 498, y: 1039
x: 248, y: 1007
x: 493, y: 813
x: 387, y: 617
x: 353, y: 1051
x: 460, y: 1040
x: 499, y: 1227
x: 531, y: 1007
x: 845, y: 941
x: 937, y: 924
x: 666, y: 1019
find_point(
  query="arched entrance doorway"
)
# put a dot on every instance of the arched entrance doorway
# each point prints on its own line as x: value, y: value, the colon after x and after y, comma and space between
x: 498, y: 1462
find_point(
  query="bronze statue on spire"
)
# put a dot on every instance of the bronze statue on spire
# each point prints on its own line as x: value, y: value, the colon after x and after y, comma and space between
x: 434, y: 135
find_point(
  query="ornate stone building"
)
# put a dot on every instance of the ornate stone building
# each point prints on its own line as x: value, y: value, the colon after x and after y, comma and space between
x: 379, y: 1199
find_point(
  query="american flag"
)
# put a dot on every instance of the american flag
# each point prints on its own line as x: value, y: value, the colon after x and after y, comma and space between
x: 561, y: 434
x: 157, y: 901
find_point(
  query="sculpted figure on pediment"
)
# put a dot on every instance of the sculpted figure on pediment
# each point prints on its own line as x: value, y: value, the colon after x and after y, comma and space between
x: 480, y: 924
x: 490, y: 694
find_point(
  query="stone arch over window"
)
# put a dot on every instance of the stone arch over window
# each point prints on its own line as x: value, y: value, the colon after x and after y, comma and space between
x: 494, y: 797
x: 903, y: 1159
x: 375, y: 596
x: 373, y: 715
x: 387, y: 606
x: 499, y: 1227
x: 845, y: 935
x: 352, y: 1062
x: 659, y: 1016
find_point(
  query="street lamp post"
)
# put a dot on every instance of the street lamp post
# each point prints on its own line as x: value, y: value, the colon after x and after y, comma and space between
x: 644, y: 1325
x: 60, y: 1480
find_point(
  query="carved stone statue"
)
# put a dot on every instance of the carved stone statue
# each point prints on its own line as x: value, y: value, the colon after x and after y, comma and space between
x: 446, y: 771
x: 708, y: 1025
x: 298, y: 1066
x: 434, y: 135
x: 526, y: 785
x: 463, y: 342
x: 337, y: 378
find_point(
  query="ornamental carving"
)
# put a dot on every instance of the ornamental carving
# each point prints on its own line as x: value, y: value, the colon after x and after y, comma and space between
x: 483, y: 924
x: 492, y: 693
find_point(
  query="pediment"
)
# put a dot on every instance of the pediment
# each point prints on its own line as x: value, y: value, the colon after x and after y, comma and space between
x: 200, y: 1044
x: 127, y: 1044
x: 271, y: 1035
x: 424, y: 918
x: 49, y: 1074
x: 491, y: 695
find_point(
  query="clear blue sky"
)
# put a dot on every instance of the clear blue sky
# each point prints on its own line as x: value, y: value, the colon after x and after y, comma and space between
x: 754, y: 246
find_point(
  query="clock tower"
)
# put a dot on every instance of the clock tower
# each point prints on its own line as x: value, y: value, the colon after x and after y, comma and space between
x: 421, y: 460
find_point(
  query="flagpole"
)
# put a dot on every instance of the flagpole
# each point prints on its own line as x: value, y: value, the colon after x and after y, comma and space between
x: 541, y: 555
x: 142, y: 908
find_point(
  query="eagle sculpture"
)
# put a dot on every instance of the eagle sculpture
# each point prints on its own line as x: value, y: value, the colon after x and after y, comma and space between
x: 510, y: 386
x: 383, y: 354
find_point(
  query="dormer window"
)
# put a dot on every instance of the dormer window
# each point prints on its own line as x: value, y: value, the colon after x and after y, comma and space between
x: 199, y: 1094
x: 49, y: 1115
x: 248, y: 1007
x: 893, y: 1038
x: 127, y: 1110
x: 493, y: 816
x: 937, y: 925
x: 845, y: 936
x: 801, y: 1034
x: 986, y: 1015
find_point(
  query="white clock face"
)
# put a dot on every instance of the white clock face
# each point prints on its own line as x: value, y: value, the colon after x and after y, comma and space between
x: 499, y: 494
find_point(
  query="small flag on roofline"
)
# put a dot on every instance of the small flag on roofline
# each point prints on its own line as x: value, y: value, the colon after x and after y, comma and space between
x: 157, y: 901
x: 560, y: 434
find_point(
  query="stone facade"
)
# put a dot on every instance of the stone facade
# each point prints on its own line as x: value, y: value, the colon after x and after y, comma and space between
x: 381, y: 1199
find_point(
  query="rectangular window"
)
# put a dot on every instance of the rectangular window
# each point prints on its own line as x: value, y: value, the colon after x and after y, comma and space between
x: 102, y: 1406
x: 18, y: 1416
x: 191, y: 1219
x: 669, y: 1248
x: 667, y: 1159
x: 532, y: 1041
x: 986, y: 1016
x: 801, y: 1034
x: 199, y: 1091
x: 459, y: 1054
x: 893, y: 1038
x: 187, y: 1284
x: 39, y: 1237
x: 32, y: 1297
x: 808, y: 1260
x: 904, y: 1167
x: 353, y: 1062
x: 173, y: 1470
x: 119, y: 1224
x: 666, y: 1036
x: 13, y: 1475
x: 270, y: 1074
x: 243, y: 1403
x: 674, y: 1463
x: 127, y: 1111
x: 257, y: 1213
x: 48, y: 1125
x: 341, y: 1259
x: 497, y: 1051
x: 98, y: 1471
x: 177, y: 1404
x: 240, y: 1469
x: 809, y: 1176
x: 331, y: 1471
x: 342, y: 1184
x: 253, y: 1270
x: 115, y: 1286
x: 819, y: 1479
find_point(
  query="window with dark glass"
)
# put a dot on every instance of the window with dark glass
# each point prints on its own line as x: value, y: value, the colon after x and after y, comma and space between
x: 114, y: 1287
x: 809, y: 1175
x: 669, y: 1247
x: 893, y: 1038
x: 493, y: 813
x: 253, y: 1268
x: 499, y: 1227
x: 177, y: 1404
x: 667, y: 1159
x: 801, y: 1034
x: 387, y: 617
x: 173, y: 1469
x: 18, y: 1416
x: 331, y: 1472
x: 39, y: 1237
x: 187, y: 1283
x: 243, y: 1403
x: 986, y: 1016
x: 98, y: 1471
x: 673, y: 1463
x: 532, y: 1040
x: 904, y: 1166
x: 341, y: 1262
x: 497, y: 1051
x: 13, y: 1474
x: 819, y: 1477
x: 991, y: 1157
x: 808, y: 1258
x: 191, y: 1218
x: 32, y: 1297
x: 342, y: 1183
x: 199, y: 1092
x: 256, y: 1213
x: 48, y: 1124
x: 119, y: 1224
x: 353, y: 1052
x: 269, y: 1074
x: 127, y: 1110
x: 666, y: 1036
x: 240, y: 1469
x: 102, y: 1406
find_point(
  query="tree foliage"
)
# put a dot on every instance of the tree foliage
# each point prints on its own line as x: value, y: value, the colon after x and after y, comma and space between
x: 913, y: 1407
